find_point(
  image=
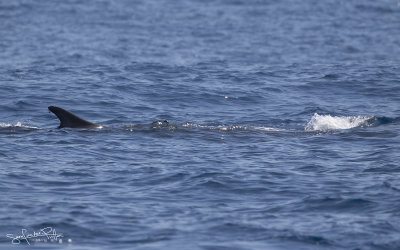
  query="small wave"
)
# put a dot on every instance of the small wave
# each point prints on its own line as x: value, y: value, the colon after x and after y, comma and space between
x: 328, y: 122
x: 17, y: 125
x: 230, y: 128
x: 220, y: 127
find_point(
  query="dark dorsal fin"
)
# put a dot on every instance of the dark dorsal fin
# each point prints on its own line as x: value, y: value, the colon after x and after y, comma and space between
x: 69, y: 120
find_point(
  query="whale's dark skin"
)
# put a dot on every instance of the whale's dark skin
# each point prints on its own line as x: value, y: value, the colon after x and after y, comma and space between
x: 69, y: 120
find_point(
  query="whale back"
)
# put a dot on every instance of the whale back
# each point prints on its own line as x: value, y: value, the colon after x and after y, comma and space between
x: 70, y: 120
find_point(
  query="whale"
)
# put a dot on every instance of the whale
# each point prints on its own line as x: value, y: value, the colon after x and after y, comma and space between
x: 70, y: 120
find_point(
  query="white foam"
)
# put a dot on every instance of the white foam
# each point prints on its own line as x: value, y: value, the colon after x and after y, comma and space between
x: 230, y: 128
x: 193, y: 125
x: 17, y: 125
x: 267, y: 129
x: 328, y: 122
x: 220, y: 127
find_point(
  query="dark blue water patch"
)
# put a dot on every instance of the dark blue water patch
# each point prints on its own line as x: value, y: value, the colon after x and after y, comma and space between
x: 393, y: 168
x: 332, y: 76
x: 310, y: 239
x: 377, y: 121
x: 76, y: 174
x: 389, y: 8
x: 338, y: 204
x: 390, y: 186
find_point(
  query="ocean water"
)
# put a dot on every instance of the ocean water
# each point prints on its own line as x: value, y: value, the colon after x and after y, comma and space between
x: 283, y: 133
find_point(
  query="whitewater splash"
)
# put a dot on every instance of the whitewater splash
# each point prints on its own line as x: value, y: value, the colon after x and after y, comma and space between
x: 328, y: 122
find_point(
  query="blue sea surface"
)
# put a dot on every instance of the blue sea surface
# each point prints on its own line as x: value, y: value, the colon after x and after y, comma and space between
x: 283, y: 124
